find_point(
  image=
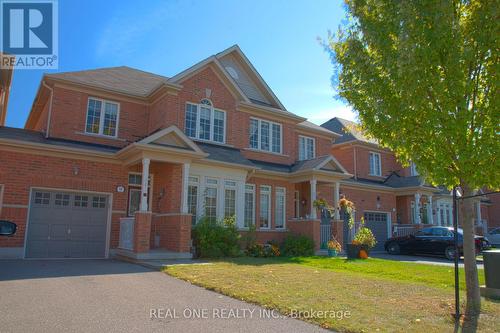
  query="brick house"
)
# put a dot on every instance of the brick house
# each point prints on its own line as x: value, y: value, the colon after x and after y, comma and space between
x: 121, y: 161
x: 118, y: 161
x: 383, y: 190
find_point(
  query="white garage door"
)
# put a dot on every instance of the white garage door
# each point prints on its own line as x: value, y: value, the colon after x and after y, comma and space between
x: 67, y: 225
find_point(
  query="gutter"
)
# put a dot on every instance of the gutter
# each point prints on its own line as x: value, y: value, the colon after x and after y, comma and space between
x: 50, y: 107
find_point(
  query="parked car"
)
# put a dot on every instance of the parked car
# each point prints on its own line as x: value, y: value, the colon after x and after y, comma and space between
x: 493, y: 237
x: 7, y: 228
x: 433, y: 240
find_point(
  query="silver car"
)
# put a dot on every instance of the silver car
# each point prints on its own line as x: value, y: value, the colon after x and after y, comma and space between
x: 493, y: 237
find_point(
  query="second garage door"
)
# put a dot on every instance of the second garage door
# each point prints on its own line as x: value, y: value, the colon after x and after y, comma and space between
x: 377, y: 223
x: 67, y: 225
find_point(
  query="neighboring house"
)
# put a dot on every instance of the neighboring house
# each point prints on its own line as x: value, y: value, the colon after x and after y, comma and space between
x: 121, y: 161
x: 384, y: 192
x: 5, y: 82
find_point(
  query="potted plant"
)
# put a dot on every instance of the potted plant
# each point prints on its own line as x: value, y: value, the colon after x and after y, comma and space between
x: 348, y: 208
x: 363, y: 242
x: 334, y: 247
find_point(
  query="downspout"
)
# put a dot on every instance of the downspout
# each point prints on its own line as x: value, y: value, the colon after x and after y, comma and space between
x: 50, y: 108
x: 355, y: 164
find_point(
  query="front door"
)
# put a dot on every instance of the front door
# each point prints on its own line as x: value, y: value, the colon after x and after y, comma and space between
x: 134, y: 200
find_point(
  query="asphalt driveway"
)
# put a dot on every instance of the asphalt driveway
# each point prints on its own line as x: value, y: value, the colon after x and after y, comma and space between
x: 113, y: 296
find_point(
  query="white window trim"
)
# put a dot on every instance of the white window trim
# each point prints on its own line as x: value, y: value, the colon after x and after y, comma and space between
x: 101, y: 118
x: 305, y: 147
x: 372, y: 153
x: 283, y: 226
x: 230, y: 187
x: 219, y: 204
x: 212, y: 112
x: 269, y: 204
x: 259, y: 132
x: 251, y: 191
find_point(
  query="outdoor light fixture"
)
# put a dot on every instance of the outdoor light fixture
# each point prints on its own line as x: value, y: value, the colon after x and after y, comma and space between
x: 76, y: 170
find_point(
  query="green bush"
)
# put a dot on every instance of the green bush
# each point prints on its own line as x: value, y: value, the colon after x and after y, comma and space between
x: 294, y: 246
x: 365, y: 237
x: 215, y: 239
x: 263, y: 250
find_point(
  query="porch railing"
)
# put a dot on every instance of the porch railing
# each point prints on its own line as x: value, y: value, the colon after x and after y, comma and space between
x: 126, y: 233
x: 325, y: 234
x: 399, y: 230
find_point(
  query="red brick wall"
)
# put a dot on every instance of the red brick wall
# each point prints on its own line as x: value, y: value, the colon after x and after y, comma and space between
x: 404, y: 208
x: 174, y: 232
x: 367, y: 201
x: 494, y: 211
x: 19, y: 172
x: 68, y: 118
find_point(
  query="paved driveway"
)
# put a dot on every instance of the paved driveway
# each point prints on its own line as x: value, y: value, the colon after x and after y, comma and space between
x: 113, y: 296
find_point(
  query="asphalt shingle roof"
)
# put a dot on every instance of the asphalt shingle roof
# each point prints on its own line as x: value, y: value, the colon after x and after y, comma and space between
x: 121, y: 79
x: 224, y: 154
x: 348, y: 129
x: 38, y: 137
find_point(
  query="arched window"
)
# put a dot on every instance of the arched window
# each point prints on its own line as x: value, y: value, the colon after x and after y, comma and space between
x: 204, y: 122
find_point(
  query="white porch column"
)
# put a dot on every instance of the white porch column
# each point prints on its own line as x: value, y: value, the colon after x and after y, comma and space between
x: 144, y: 184
x: 185, y: 183
x: 429, y: 210
x: 313, y: 183
x: 417, y: 208
x: 336, y: 198
x: 478, y: 212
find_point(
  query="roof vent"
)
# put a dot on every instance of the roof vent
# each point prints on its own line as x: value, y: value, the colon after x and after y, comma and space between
x: 232, y: 72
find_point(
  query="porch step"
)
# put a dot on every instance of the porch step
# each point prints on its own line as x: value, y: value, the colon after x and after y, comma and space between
x: 157, y: 254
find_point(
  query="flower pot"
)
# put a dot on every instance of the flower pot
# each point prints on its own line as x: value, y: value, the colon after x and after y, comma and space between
x: 353, y: 251
x: 332, y: 253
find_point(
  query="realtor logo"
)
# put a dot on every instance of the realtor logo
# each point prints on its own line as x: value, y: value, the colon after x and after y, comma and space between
x: 29, y: 34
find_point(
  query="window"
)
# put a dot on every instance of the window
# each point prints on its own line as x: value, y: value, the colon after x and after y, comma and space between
x: 265, y: 206
x: 280, y: 210
x: 413, y: 169
x: 307, y: 149
x: 193, y: 198
x: 375, y: 167
x: 265, y: 135
x: 249, y: 206
x: 62, y: 199
x: 102, y: 117
x: 211, y: 199
x: 42, y: 198
x: 81, y: 201
x: 204, y: 122
x: 98, y: 202
x: 229, y: 198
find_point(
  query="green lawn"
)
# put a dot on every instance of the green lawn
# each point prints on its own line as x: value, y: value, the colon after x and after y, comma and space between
x: 380, y: 295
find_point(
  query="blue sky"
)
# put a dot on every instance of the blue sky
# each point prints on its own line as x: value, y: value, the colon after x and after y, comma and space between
x: 279, y: 37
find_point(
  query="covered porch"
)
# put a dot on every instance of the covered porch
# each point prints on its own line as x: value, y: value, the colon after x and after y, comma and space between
x: 158, y: 225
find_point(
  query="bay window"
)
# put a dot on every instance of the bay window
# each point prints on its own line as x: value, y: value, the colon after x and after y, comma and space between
x: 307, y: 149
x: 265, y: 207
x: 229, y: 198
x: 211, y: 199
x: 265, y: 135
x: 193, y: 198
x: 204, y: 122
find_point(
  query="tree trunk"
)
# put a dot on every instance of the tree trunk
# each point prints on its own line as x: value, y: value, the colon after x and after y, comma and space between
x: 473, y: 305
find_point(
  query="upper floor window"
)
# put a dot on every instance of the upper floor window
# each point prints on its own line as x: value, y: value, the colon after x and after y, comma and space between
x: 307, y: 149
x: 265, y: 135
x: 375, y: 166
x: 102, y: 117
x: 204, y: 122
x: 413, y: 169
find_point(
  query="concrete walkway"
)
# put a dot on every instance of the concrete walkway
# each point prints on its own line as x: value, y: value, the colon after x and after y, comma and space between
x: 113, y: 296
x: 422, y: 259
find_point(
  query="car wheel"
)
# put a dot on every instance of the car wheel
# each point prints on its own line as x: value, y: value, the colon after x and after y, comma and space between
x: 393, y: 248
x: 449, y: 253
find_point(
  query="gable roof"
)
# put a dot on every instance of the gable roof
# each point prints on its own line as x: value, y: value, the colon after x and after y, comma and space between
x: 172, y: 137
x: 348, y: 130
x: 121, y: 79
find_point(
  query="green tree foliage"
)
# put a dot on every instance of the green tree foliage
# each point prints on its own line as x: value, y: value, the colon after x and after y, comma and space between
x: 423, y: 78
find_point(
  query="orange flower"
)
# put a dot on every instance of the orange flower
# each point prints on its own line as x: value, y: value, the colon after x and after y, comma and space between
x: 363, y: 254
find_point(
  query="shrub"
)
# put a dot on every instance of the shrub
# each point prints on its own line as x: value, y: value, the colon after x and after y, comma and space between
x: 365, y: 237
x: 214, y: 239
x: 263, y: 250
x: 294, y: 246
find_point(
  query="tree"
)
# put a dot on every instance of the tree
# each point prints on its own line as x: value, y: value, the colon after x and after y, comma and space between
x: 422, y: 76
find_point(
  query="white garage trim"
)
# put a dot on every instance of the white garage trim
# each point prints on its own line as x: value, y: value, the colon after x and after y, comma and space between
x: 108, y: 221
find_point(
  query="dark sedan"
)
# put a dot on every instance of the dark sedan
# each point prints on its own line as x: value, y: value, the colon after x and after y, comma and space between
x: 433, y: 240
